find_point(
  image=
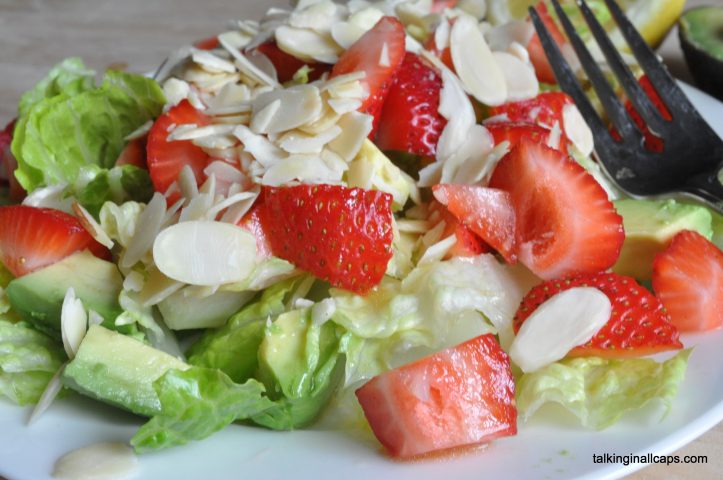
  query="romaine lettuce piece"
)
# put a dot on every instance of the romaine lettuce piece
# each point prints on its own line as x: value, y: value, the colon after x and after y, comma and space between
x: 599, y: 391
x: 196, y: 403
x: 28, y: 360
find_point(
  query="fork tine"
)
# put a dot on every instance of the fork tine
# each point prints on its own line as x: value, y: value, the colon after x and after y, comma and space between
x: 635, y: 93
x: 656, y: 72
x: 567, y: 80
x: 615, y: 109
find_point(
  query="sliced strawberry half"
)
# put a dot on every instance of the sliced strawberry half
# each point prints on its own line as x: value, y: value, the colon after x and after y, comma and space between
x: 688, y: 280
x: 651, y: 142
x: 543, y: 70
x: 458, y: 397
x: 287, y: 65
x: 638, y: 325
x: 166, y: 158
x: 468, y: 244
x: 545, y: 110
x: 32, y: 238
x: 513, y: 132
x: 379, y: 54
x: 342, y: 235
x: 134, y: 153
x: 565, y: 222
x: 410, y: 121
x: 486, y: 211
x: 251, y: 222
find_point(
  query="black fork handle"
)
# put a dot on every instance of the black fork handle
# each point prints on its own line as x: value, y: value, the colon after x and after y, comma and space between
x: 708, y: 187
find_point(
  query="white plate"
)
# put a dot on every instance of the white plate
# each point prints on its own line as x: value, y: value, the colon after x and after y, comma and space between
x: 549, y: 447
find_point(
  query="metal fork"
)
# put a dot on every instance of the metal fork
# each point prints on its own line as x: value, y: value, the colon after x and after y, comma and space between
x: 691, y: 163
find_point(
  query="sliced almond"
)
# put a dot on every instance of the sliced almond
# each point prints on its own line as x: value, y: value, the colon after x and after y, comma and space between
x: 344, y: 105
x: 244, y: 65
x: 49, y: 394
x: 232, y: 200
x: 263, y: 63
x: 237, y: 39
x: 187, y: 182
x: 151, y: 220
x: 566, y: 320
x: 259, y: 146
x: 298, y: 105
x: 436, y: 252
x: 205, y: 253
x: 91, y: 226
x: 299, y: 142
x: 519, y: 76
x: 192, y: 132
x: 318, y: 17
x: 577, y: 129
x: 355, y: 127
x: 366, y: 17
x: 157, y: 288
x: 326, y: 120
x: 345, y: 34
x: 99, y: 461
x: 304, y: 168
x: 499, y: 38
x: 455, y: 106
x: 441, y: 35
x: 73, y: 323
x: 476, y: 8
x: 307, y: 45
x: 474, y: 63
x: 262, y: 118
x: 212, y: 63
x: 216, y: 142
x: 140, y: 132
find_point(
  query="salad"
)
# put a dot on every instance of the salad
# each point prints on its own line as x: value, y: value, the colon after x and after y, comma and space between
x: 379, y: 216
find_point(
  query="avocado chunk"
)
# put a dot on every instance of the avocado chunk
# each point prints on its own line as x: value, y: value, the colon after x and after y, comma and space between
x: 701, y: 37
x: 184, y: 312
x: 38, y: 297
x: 649, y: 227
x: 119, y: 370
x: 301, y: 366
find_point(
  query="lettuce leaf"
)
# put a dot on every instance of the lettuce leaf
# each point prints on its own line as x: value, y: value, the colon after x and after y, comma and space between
x: 76, y: 128
x: 28, y: 360
x: 196, y: 403
x: 95, y: 186
x: 599, y: 391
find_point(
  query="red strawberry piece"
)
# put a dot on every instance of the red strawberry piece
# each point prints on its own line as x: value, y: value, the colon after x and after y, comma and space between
x: 652, y: 142
x: 410, y: 121
x: 208, y: 43
x: 8, y: 164
x: 468, y: 243
x: 379, y: 53
x: 565, y: 222
x: 688, y: 280
x: 134, y: 153
x: 514, y: 132
x: 486, y: 211
x: 438, y: 6
x: 342, y: 235
x: 32, y: 238
x: 458, y: 397
x: 638, y: 325
x: 543, y: 70
x: 167, y: 159
x: 545, y: 110
x: 287, y: 65
x: 252, y: 223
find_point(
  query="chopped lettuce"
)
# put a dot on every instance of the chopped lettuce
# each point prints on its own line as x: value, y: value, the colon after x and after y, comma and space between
x: 599, y: 391
x: 73, y: 134
x: 28, y: 360
x: 196, y: 403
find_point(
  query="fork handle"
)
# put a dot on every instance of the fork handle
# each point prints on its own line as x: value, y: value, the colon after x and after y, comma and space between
x: 707, y: 186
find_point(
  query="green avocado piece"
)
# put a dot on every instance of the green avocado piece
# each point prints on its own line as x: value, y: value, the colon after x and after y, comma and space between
x: 119, y: 370
x: 649, y: 227
x: 701, y: 36
x: 38, y: 296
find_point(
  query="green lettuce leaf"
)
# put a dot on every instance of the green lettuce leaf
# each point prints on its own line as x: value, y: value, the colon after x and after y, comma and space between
x: 94, y: 186
x: 599, y: 391
x: 28, y: 360
x: 62, y: 135
x: 196, y: 403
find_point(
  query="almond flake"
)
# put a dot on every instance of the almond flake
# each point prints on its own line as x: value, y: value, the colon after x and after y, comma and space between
x: 175, y: 59
x: 304, y: 168
x: 205, y: 253
x: 384, y: 56
x: 519, y: 76
x: 476, y: 8
x: 520, y: 52
x: 235, y: 212
x: 577, y: 130
x: 355, y: 128
x: 193, y: 132
x: 151, y: 218
x: 187, y: 182
x: 413, y: 226
x: 232, y: 200
x: 73, y: 323
x: 366, y: 18
x: 259, y: 146
x: 307, y: 44
x: 455, y: 106
x: 441, y: 35
x: 232, y: 98
x: 564, y: 321
x: 437, y: 251
x: 100, y: 461
x: 139, y: 132
x: 319, y: 17
x: 298, y: 105
x: 326, y: 120
x: 263, y: 63
x: 334, y: 161
x: 212, y: 63
x: 474, y: 63
x: 49, y: 394
x: 344, y: 105
x: 501, y: 37
x: 176, y: 90
x: 553, y: 140
x: 224, y: 171
x: 345, y: 34
x: 261, y: 119
x: 237, y: 39
x: 91, y: 226
x: 157, y: 288
x: 245, y: 66
x: 434, y: 235
x: 299, y: 142
x: 218, y: 142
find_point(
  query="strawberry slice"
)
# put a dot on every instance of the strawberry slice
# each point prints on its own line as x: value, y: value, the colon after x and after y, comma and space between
x: 134, y: 153
x: 545, y: 110
x: 8, y: 164
x: 32, y: 238
x: 379, y: 53
x: 342, y: 235
x: 638, y: 325
x: 514, y: 132
x: 167, y: 159
x: 251, y: 222
x: 458, y: 397
x: 208, y: 43
x: 543, y: 70
x: 410, y: 121
x: 565, y: 222
x: 486, y: 211
x: 651, y: 142
x: 287, y: 65
x: 688, y: 280
x: 468, y: 243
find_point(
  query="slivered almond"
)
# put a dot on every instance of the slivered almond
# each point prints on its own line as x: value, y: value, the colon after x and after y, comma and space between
x: 299, y: 105
x: 355, y: 127
x: 436, y: 252
x: 99, y: 461
x: 193, y: 132
x: 304, y: 168
x: 217, y: 142
x: 157, y: 288
x: 319, y: 16
x: 151, y: 219
x: 73, y: 323
x: 259, y: 146
x: 441, y: 35
x: 474, y: 63
x: 577, y: 129
x: 245, y: 66
x: 89, y: 223
x: 223, y: 171
x: 520, y: 77
x: 212, y: 63
x: 366, y: 17
x: 299, y: 142
x: 234, y: 199
x: 261, y: 119
x: 237, y: 39
x: 307, y: 45
x: 344, y: 105
x: 346, y: 33
x: 176, y: 90
x: 49, y: 394
x: 262, y: 62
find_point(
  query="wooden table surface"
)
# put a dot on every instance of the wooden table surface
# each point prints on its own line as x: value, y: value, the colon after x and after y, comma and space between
x: 35, y: 34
